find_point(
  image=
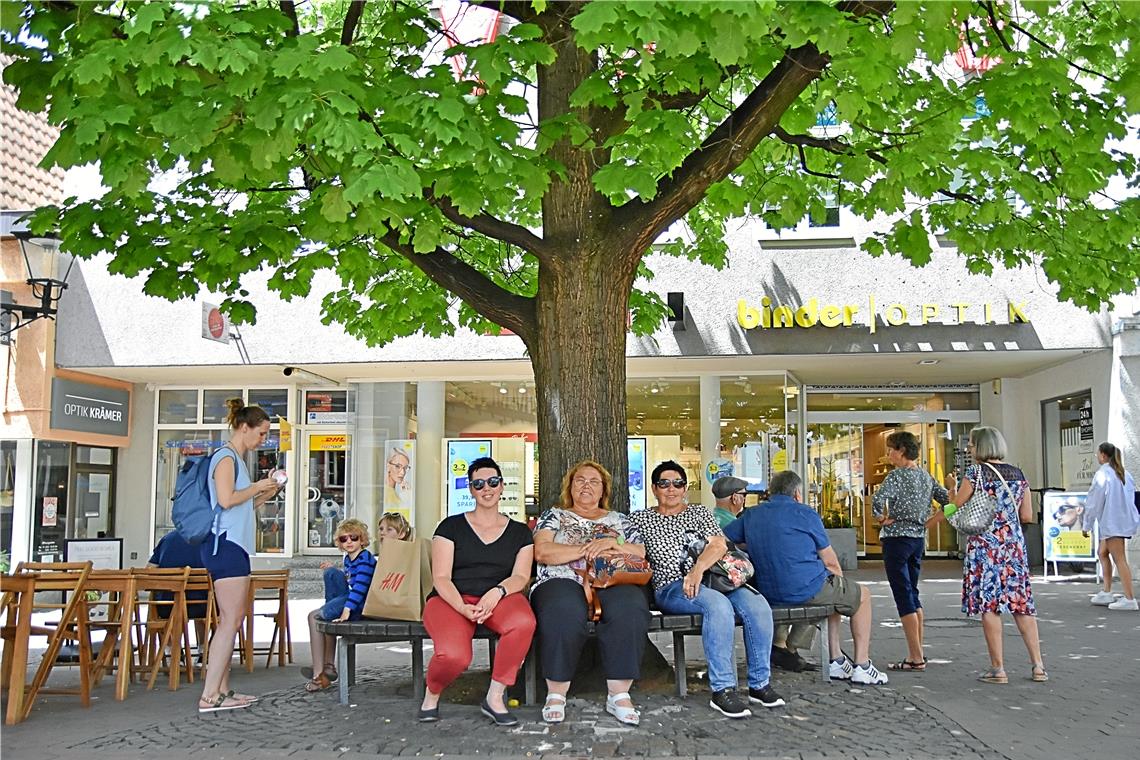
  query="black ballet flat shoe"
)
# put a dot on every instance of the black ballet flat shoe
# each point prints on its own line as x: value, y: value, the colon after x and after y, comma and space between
x: 429, y: 716
x: 501, y: 719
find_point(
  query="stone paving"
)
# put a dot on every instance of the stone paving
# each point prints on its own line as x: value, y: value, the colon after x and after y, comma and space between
x: 1088, y: 706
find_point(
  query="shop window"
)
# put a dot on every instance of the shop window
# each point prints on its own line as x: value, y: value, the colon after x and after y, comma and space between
x: 275, y: 401
x: 174, y: 447
x: 94, y: 455
x: 665, y: 413
x: 7, y: 499
x: 214, y: 408
x: 1069, y: 441
x: 382, y: 431
x: 177, y: 407
x: 326, y: 407
x: 49, y: 527
x: 753, y: 432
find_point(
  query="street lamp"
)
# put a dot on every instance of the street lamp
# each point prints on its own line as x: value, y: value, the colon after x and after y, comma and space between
x: 47, y: 290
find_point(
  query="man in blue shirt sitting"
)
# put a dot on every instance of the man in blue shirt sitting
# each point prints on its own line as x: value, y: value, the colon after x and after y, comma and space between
x: 796, y: 565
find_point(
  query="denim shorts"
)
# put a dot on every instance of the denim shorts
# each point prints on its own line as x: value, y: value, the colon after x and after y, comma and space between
x: 231, y: 561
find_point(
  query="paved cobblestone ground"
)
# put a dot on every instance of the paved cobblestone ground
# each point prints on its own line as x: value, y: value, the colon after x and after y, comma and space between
x: 1088, y: 706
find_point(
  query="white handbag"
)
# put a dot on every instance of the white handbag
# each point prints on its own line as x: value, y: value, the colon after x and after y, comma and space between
x: 977, y: 515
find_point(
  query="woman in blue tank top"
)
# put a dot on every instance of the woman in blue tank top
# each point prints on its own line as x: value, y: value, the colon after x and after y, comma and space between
x: 225, y: 553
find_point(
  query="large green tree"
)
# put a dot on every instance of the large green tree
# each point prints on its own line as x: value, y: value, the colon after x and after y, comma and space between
x: 338, y: 135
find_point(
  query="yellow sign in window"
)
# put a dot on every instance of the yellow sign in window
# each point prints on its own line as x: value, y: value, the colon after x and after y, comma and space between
x: 333, y: 442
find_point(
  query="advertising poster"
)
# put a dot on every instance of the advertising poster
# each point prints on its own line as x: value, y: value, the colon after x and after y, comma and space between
x: 104, y: 554
x: 1061, y: 528
x: 460, y: 453
x: 637, y: 474
x: 718, y: 468
x: 400, y: 478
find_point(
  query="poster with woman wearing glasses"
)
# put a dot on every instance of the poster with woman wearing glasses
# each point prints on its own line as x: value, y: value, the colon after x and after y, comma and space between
x: 399, y: 478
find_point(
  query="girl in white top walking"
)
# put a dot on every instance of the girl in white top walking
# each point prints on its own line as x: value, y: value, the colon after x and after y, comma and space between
x: 1111, y: 502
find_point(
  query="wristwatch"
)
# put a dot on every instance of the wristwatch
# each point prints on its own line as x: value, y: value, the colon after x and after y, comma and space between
x: 502, y: 589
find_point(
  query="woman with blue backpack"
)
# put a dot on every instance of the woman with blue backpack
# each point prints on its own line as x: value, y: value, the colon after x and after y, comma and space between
x: 225, y: 552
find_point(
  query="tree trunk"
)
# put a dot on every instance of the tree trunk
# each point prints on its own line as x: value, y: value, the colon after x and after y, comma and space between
x: 578, y: 355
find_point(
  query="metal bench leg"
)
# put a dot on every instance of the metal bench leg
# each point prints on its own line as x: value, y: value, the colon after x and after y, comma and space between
x: 824, y: 649
x: 352, y: 664
x: 530, y: 675
x: 418, y: 669
x: 343, y: 666
x: 679, y: 663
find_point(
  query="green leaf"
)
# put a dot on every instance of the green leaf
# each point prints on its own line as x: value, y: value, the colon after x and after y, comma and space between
x: 334, y: 207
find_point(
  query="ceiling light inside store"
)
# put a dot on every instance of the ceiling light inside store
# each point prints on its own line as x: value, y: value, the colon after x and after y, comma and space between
x: 522, y: 389
x: 502, y: 389
x: 927, y: 362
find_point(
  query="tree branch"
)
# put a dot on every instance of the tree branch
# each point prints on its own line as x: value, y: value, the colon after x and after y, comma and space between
x: 289, y: 8
x: 351, y: 20
x: 831, y: 145
x: 512, y: 311
x: 804, y: 166
x: 1055, y: 52
x: 517, y: 9
x: 492, y: 227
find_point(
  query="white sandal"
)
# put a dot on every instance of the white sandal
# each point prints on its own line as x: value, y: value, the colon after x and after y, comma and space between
x: 554, y: 712
x: 627, y: 715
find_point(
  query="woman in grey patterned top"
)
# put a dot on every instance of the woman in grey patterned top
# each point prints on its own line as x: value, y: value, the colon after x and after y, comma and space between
x: 902, y: 506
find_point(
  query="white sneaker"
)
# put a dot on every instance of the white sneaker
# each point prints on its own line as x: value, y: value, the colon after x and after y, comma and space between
x: 842, y: 670
x: 869, y: 675
x: 1101, y: 598
x: 1125, y: 604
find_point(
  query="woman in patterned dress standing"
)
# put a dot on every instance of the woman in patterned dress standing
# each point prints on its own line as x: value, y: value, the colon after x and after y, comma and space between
x: 996, y: 573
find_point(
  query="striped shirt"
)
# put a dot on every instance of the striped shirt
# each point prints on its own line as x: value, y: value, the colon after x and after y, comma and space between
x: 359, y: 573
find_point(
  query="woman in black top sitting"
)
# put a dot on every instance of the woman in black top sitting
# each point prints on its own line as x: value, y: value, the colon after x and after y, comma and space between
x: 481, y: 562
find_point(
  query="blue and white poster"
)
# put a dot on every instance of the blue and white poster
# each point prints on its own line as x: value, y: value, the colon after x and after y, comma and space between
x: 460, y: 454
x: 636, y: 473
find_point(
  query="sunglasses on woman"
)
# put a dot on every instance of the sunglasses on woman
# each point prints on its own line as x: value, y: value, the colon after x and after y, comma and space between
x: 346, y: 537
x: 676, y: 483
x: 492, y: 481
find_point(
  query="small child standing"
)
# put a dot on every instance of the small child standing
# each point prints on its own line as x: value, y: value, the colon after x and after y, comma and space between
x: 345, y: 591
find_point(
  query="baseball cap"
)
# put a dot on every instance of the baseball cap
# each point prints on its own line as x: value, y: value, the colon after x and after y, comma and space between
x: 722, y: 488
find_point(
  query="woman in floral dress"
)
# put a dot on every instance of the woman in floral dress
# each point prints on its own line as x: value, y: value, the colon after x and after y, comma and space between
x: 996, y: 572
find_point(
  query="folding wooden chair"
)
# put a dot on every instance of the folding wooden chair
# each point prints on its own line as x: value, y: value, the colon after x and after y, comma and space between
x: 115, y: 591
x: 70, y: 579
x: 162, y: 593
x: 200, y: 606
x: 16, y: 605
x: 269, y: 586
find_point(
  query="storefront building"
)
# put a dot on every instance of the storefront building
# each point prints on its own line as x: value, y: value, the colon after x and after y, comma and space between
x: 801, y: 354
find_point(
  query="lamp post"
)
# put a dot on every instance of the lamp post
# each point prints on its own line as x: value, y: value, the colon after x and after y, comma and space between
x: 46, y: 290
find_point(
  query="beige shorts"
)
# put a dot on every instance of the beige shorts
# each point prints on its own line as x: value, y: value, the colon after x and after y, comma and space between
x: 845, y: 594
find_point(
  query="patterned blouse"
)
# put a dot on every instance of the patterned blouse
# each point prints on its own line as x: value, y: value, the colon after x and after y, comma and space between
x: 667, y: 540
x: 573, y: 530
x: 910, y: 491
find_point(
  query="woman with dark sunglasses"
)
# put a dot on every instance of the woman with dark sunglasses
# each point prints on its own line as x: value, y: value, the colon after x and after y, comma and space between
x: 480, y: 563
x: 566, y: 537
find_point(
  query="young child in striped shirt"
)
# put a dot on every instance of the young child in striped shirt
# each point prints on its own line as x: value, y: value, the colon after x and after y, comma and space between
x: 345, y: 591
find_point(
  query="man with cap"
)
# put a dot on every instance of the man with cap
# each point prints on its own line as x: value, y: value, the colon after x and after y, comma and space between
x: 730, y: 493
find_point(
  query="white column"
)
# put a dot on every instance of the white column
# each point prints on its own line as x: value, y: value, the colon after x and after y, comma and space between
x: 22, y: 513
x: 710, y: 432
x: 431, y: 398
x: 1124, y: 411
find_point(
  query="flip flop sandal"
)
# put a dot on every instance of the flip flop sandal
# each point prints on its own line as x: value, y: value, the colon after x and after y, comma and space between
x: 248, y: 698
x: 317, y: 683
x: 918, y: 667
x: 994, y: 675
x: 554, y: 711
x: 221, y: 702
x: 1039, y: 674
x: 330, y: 671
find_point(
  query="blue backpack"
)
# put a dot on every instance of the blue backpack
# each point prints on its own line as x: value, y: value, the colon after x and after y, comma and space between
x: 194, y: 513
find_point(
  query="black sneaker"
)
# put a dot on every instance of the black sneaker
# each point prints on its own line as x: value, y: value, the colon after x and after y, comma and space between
x: 729, y: 703
x: 766, y: 696
x: 789, y: 660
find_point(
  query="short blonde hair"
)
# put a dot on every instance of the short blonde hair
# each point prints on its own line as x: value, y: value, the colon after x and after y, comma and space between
x: 399, y: 522
x: 352, y: 525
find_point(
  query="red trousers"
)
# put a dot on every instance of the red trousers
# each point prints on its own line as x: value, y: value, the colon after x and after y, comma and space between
x: 452, y: 634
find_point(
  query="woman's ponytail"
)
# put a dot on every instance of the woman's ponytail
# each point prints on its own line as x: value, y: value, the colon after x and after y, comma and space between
x: 1114, y: 458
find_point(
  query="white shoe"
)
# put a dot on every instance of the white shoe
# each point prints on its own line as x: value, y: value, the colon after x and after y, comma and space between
x: 842, y: 670
x: 1125, y: 604
x: 1101, y: 598
x: 869, y: 675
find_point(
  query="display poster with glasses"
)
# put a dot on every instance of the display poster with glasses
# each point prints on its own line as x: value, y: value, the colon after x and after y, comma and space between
x: 460, y: 453
x: 636, y: 448
x: 509, y: 453
x: 1061, y: 528
x: 399, y: 478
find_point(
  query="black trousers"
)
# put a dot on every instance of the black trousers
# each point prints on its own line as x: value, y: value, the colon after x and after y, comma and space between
x: 560, y: 609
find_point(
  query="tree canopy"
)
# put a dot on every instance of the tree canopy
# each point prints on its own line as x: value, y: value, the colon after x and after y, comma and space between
x: 523, y: 175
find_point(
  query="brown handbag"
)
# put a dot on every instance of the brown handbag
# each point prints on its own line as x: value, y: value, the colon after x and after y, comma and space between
x: 604, y: 572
